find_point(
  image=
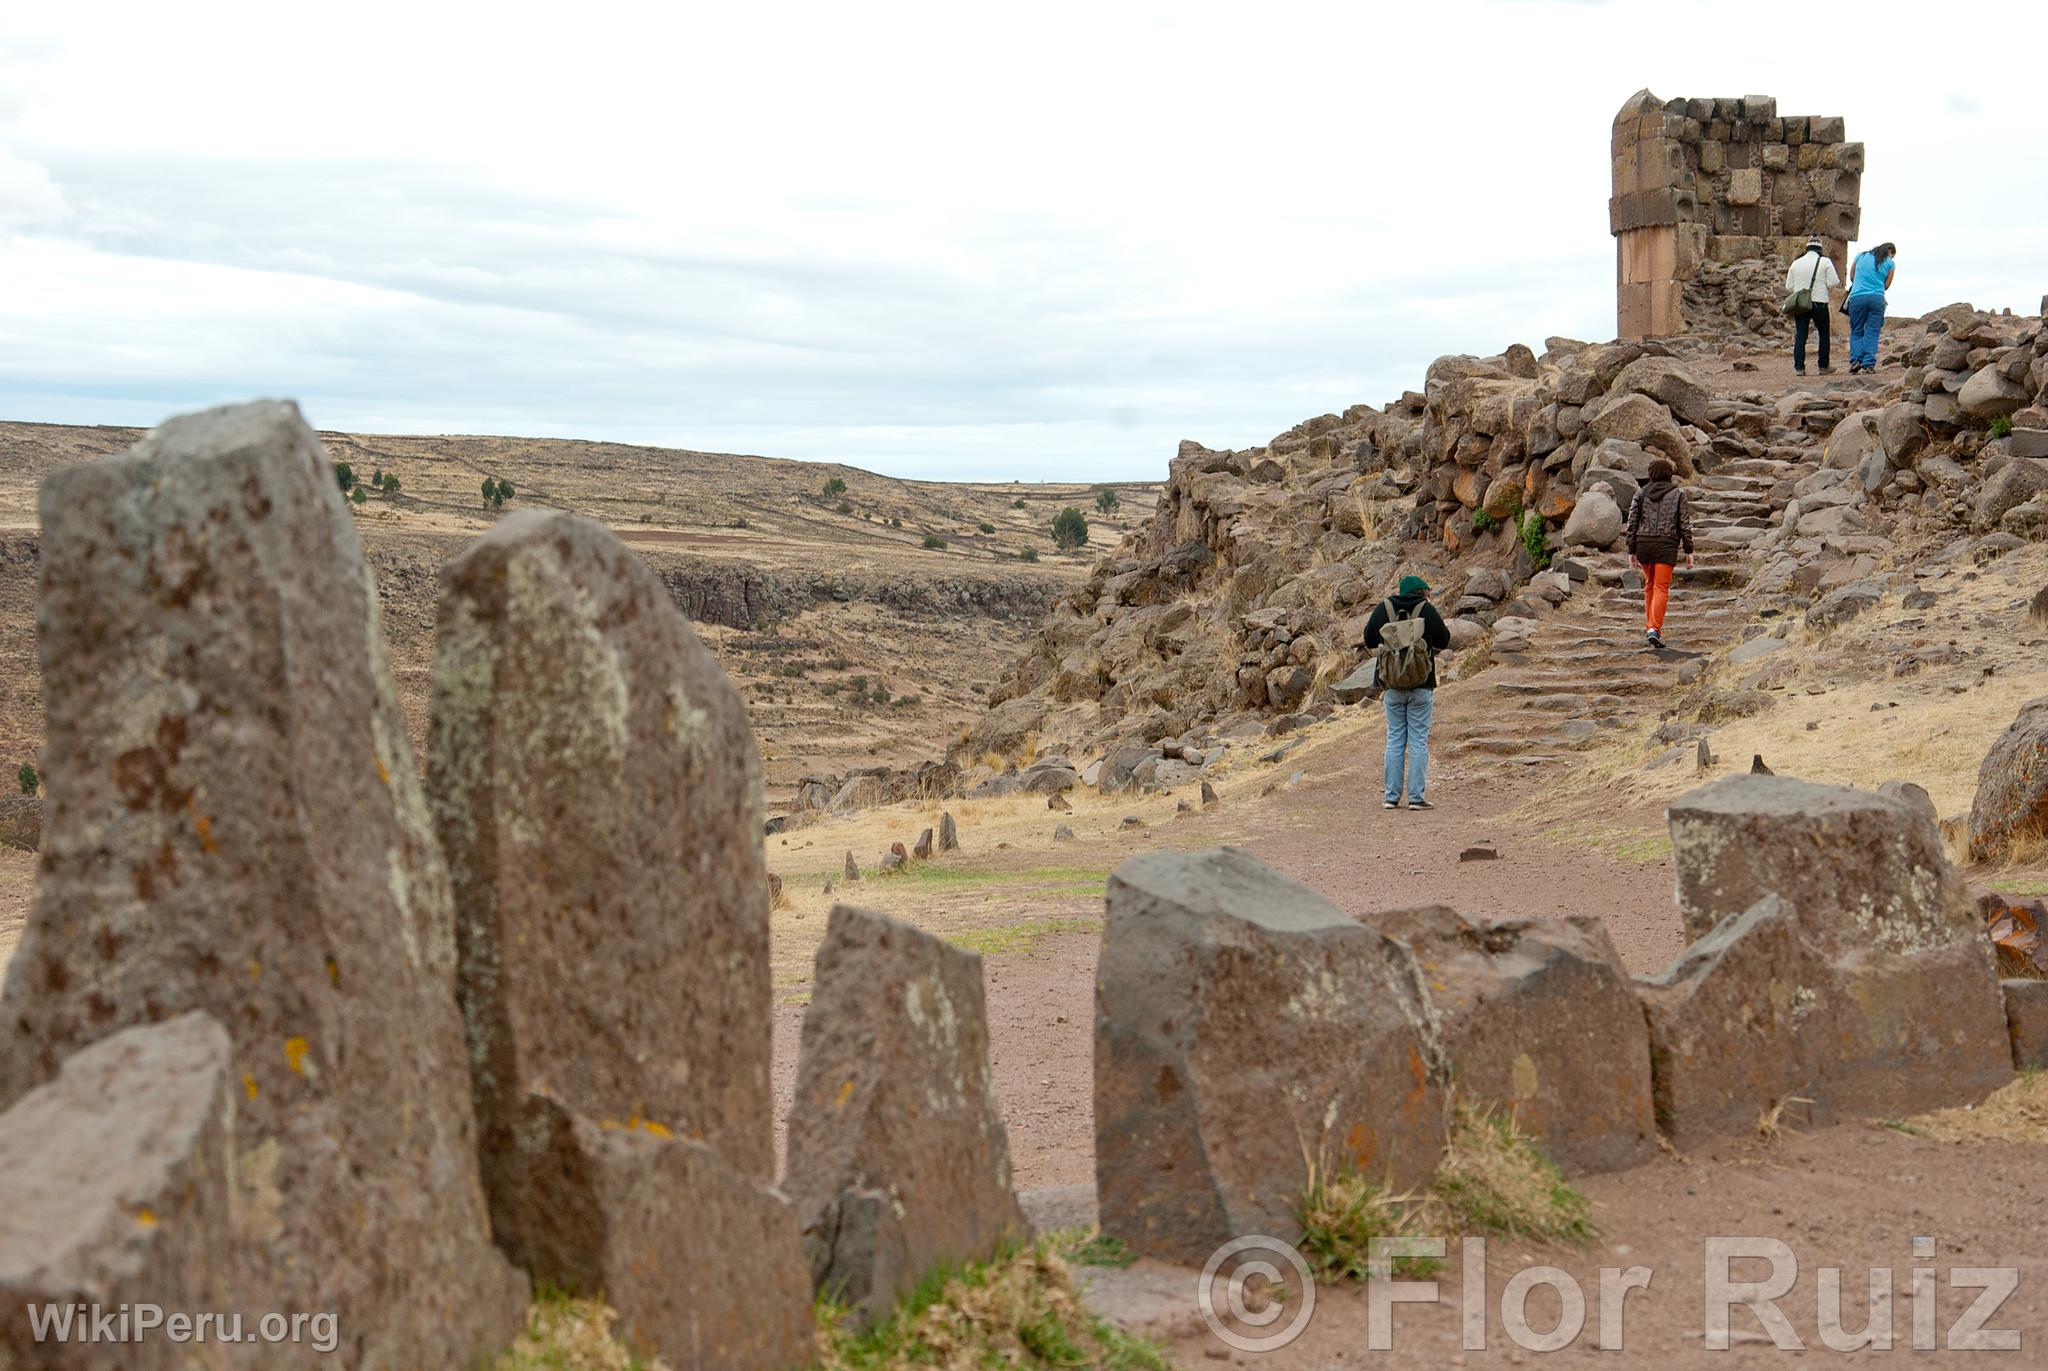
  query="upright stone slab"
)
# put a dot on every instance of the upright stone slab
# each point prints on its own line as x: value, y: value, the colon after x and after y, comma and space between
x: 1539, y: 1019
x: 1905, y: 1011
x: 2011, y: 803
x: 235, y: 825
x: 598, y: 793
x: 114, y: 1178
x: 898, y: 1160
x: 1724, y: 1023
x: 1244, y: 1025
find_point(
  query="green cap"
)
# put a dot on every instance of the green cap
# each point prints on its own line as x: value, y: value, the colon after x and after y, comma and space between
x: 1414, y: 585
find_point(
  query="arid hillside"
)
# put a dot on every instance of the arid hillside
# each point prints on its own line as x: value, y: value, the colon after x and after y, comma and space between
x: 863, y: 625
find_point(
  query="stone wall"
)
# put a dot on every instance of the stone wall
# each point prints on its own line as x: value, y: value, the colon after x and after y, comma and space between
x: 1720, y: 182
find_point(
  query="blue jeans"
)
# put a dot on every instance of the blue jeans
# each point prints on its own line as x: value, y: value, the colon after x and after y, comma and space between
x: 1866, y: 319
x: 1408, y: 732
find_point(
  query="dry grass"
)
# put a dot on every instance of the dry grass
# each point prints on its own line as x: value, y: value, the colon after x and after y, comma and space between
x: 1020, y: 1310
x: 565, y: 1334
x: 2017, y: 1114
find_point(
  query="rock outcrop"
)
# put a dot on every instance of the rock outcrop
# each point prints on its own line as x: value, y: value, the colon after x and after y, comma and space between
x: 2011, y: 804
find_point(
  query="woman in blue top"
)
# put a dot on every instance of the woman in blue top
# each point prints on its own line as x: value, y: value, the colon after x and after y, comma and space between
x: 1869, y: 279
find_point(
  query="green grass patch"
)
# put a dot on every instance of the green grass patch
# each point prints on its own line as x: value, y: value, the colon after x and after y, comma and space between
x: 1341, y: 1214
x: 1092, y: 1247
x: 1019, y: 1310
x: 1020, y: 937
x: 564, y: 1333
x: 2022, y: 886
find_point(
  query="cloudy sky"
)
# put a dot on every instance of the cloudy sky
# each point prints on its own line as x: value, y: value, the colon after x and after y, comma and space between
x: 1035, y: 242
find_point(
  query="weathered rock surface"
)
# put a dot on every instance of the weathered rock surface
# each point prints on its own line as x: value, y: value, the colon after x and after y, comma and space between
x: 1241, y: 1021
x: 2018, y: 481
x: 898, y: 1160
x: 1537, y: 1017
x: 598, y: 794
x: 2026, y: 1020
x: 236, y: 825
x: 1724, y: 1020
x: 1904, y: 1012
x: 1595, y: 521
x: 116, y: 1182
x: 2011, y: 803
x: 627, y: 1207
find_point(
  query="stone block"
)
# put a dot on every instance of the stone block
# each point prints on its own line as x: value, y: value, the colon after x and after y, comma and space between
x: 1824, y: 128
x: 2026, y: 1020
x: 1745, y: 186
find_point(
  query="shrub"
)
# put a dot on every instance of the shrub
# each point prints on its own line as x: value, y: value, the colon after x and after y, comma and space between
x: 378, y: 479
x: 1029, y: 554
x: 490, y: 492
x: 935, y: 542
x: 1069, y: 529
x: 846, y: 506
x: 834, y: 486
x: 1535, y: 540
x: 358, y: 496
x: 390, y: 484
x: 28, y: 778
x: 2001, y: 426
x: 1482, y: 522
x: 880, y: 694
x: 1105, y: 500
x: 345, y: 476
x: 1017, y: 503
x: 895, y: 521
x: 505, y: 491
x: 986, y: 527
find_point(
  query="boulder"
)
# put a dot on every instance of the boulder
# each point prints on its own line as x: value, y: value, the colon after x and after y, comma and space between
x: 2026, y: 1021
x: 1724, y: 1040
x: 1641, y: 420
x: 1902, y: 432
x: 1988, y: 394
x: 1902, y: 1011
x: 2018, y: 481
x: 1246, y: 1028
x: 630, y: 1205
x: 1358, y: 686
x: 2011, y: 804
x: 21, y: 821
x: 1538, y: 1018
x: 1666, y: 381
x: 1850, y: 442
x: 1844, y: 603
x: 2028, y: 521
x: 898, y: 1162
x: 118, y: 1177
x: 236, y: 825
x: 1596, y: 521
x: 598, y: 795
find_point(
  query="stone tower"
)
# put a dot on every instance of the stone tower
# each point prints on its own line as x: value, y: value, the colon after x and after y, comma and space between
x: 1705, y: 186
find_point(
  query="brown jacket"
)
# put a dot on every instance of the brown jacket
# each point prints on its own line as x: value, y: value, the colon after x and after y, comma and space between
x: 1660, y: 523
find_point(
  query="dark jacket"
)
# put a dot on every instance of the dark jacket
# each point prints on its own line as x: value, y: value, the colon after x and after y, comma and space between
x: 1433, y: 631
x: 1660, y: 523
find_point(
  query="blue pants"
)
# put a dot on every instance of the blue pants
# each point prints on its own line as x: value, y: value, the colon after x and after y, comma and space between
x: 1408, y: 732
x: 1866, y: 319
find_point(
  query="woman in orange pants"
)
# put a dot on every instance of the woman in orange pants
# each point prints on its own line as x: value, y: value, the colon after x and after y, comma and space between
x: 1659, y: 530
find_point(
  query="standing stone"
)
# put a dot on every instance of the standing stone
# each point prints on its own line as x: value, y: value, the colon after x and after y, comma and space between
x: 598, y: 793
x: 1724, y: 1019
x: 2026, y: 1020
x: 1244, y: 1028
x: 1209, y: 796
x: 1538, y: 1017
x: 236, y: 826
x: 923, y: 850
x: 949, y: 833
x: 115, y: 1181
x: 851, y: 869
x: 898, y: 1160
x: 2012, y: 786
x: 1904, y: 1009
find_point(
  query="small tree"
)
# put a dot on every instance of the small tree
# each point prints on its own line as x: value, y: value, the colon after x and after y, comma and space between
x: 378, y: 479
x: 28, y: 778
x: 490, y: 492
x: 345, y: 476
x: 834, y: 486
x: 1069, y: 529
x: 390, y: 485
x: 505, y: 491
x: 1105, y: 500
x: 935, y: 542
x: 359, y: 496
x: 1017, y: 503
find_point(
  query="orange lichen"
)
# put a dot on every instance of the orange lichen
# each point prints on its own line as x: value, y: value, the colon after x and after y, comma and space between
x: 295, y: 1055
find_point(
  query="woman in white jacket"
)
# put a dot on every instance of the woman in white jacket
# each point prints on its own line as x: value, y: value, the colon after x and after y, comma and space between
x: 1811, y: 271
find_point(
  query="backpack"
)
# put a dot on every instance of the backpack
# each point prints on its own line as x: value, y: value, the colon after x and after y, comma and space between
x: 1404, y: 657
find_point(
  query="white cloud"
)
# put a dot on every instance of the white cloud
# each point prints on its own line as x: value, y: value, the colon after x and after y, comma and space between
x: 937, y: 239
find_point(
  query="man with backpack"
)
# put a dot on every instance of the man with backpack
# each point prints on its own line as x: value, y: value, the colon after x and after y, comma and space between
x: 1406, y: 633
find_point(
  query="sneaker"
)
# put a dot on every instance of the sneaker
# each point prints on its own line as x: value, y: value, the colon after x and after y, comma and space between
x: 1827, y: 371
x: 1653, y: 638
x: 1799, y: 371
x: 1419, y: 803
x: 1390, y: 804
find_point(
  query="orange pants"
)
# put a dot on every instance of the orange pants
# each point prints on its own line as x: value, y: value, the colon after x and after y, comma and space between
x: 1656, y: 592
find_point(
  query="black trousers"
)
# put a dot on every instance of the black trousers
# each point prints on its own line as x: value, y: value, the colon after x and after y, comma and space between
x: 1817, y: 316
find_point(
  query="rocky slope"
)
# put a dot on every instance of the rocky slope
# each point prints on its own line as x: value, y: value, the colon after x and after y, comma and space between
x: 1244, y: 596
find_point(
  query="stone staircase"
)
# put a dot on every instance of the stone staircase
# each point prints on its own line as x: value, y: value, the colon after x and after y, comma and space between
x: 1587, y: 669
